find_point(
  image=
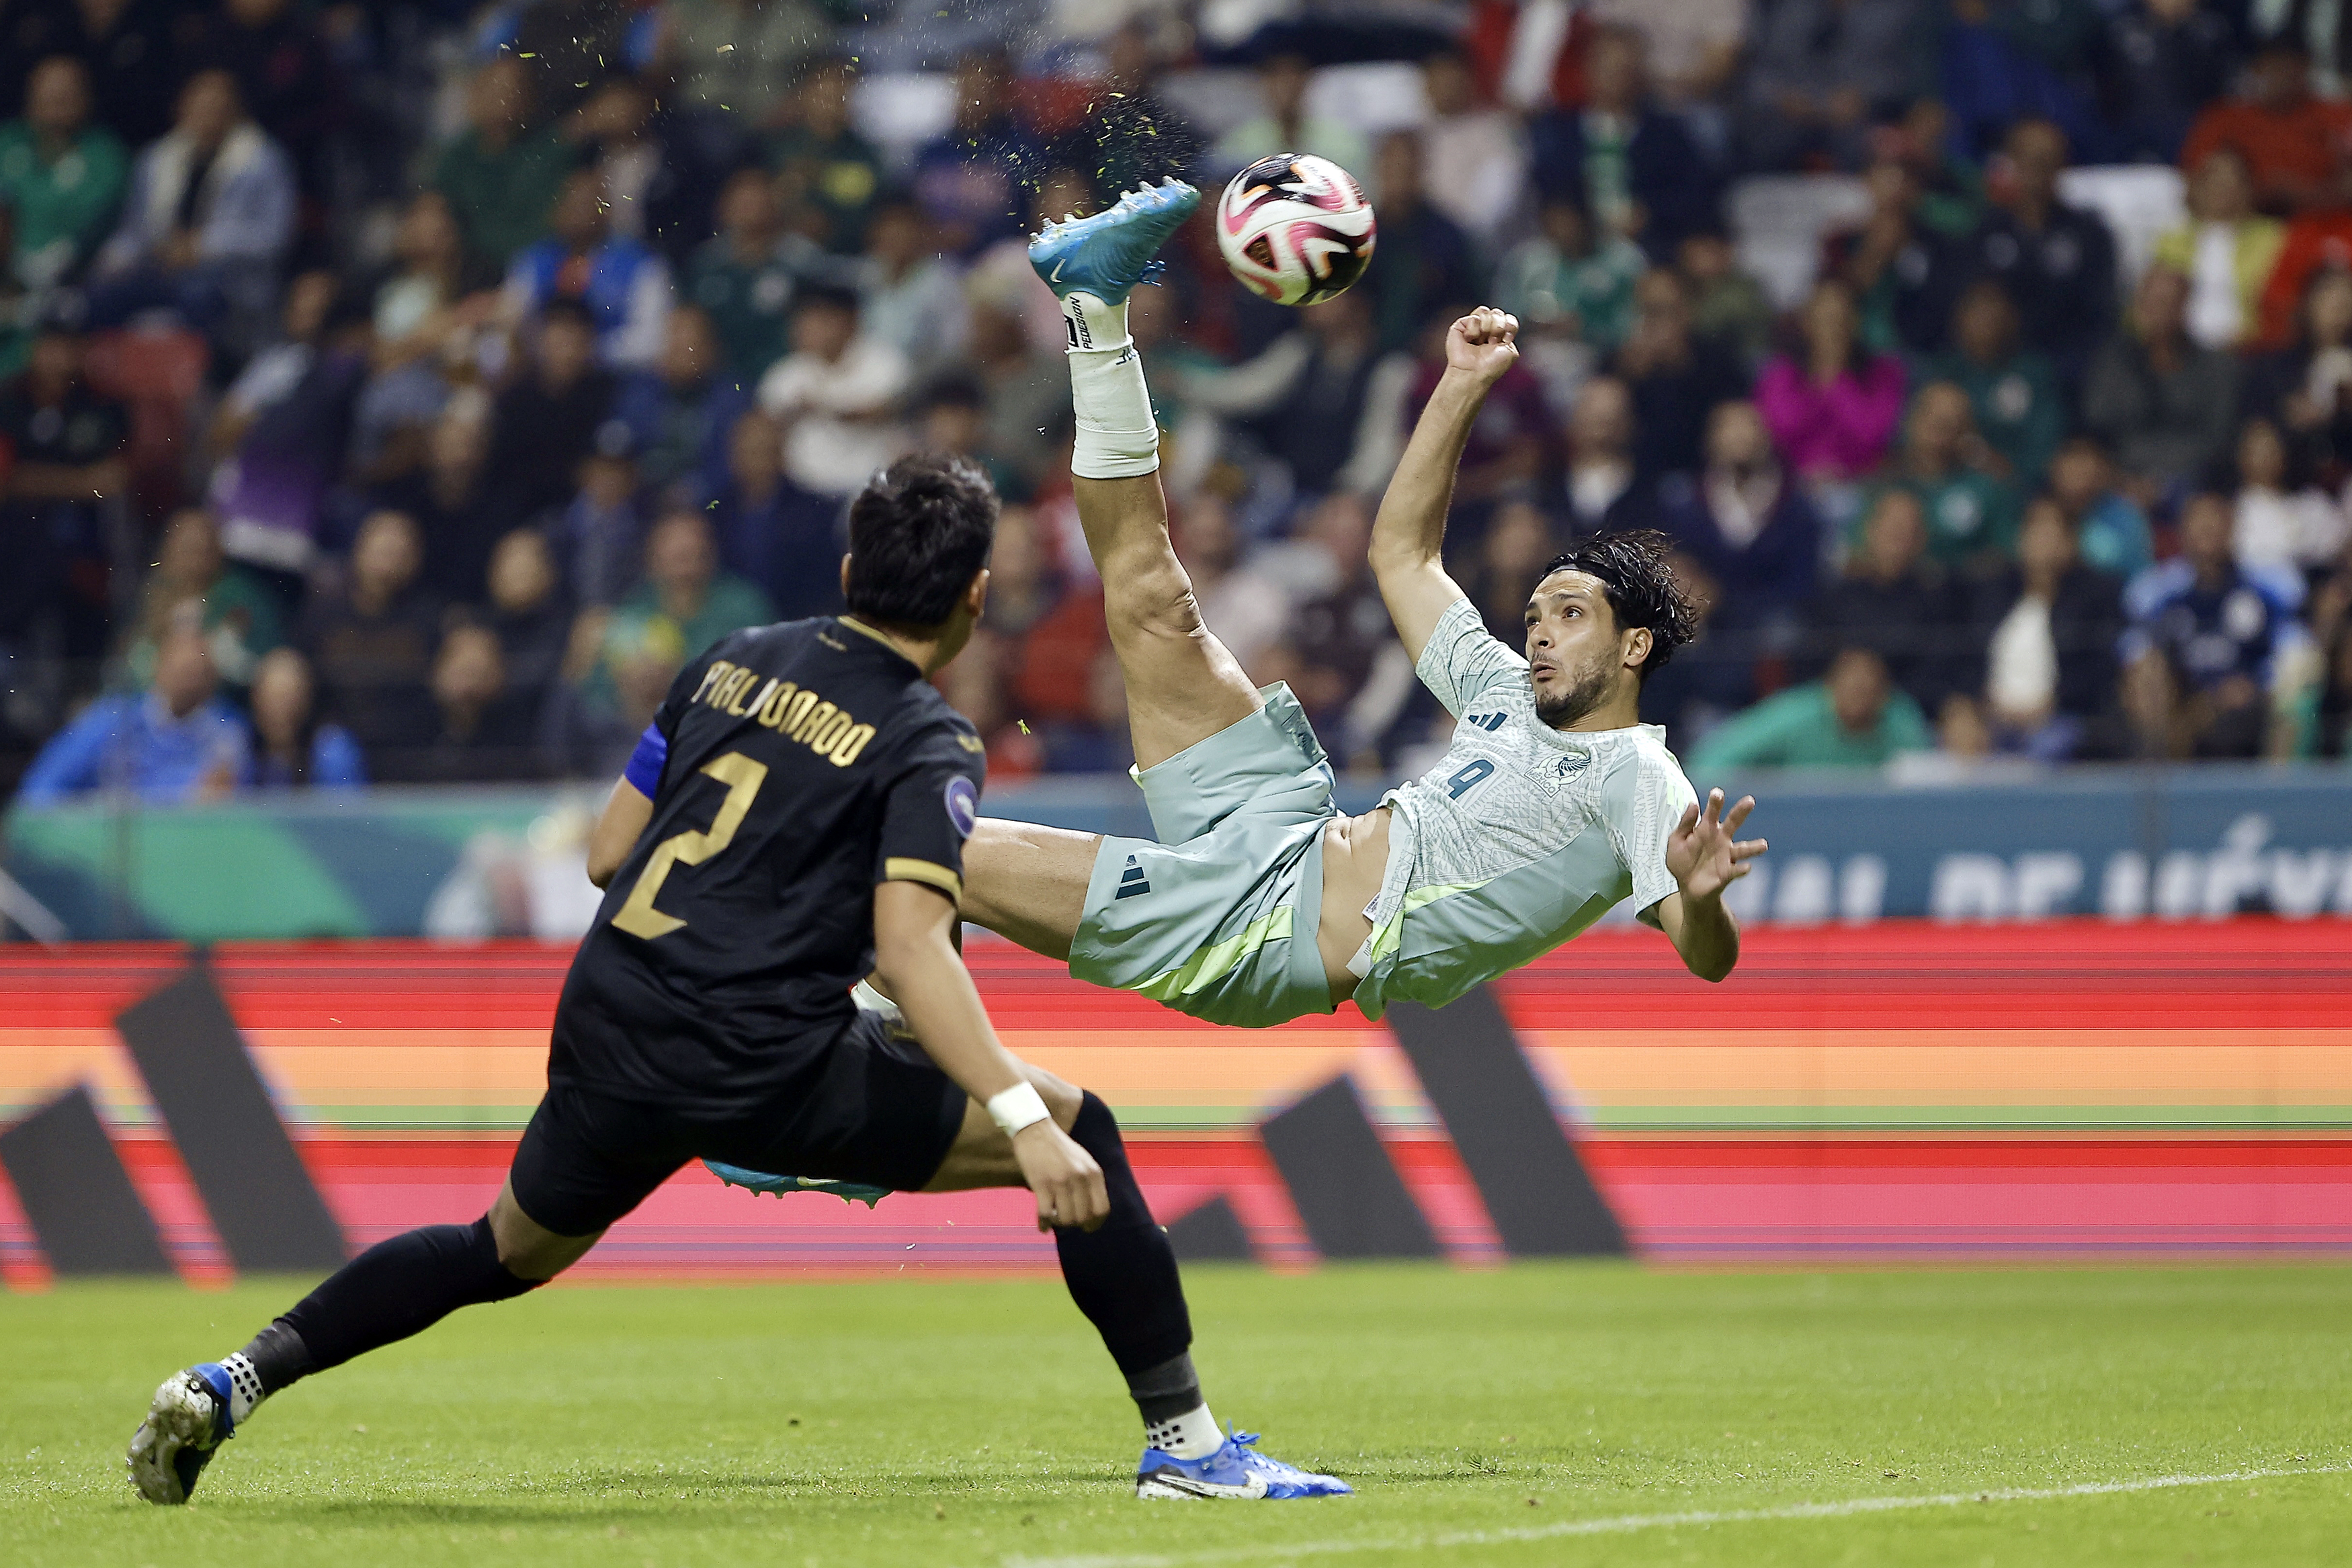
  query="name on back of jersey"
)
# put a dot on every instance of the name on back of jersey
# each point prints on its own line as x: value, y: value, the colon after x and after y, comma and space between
x: 793, y: 711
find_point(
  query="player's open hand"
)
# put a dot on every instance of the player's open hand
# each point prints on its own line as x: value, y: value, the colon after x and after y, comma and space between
x: 1068, y: 1182
x: 1485, y: 343
x: 1701, y: 854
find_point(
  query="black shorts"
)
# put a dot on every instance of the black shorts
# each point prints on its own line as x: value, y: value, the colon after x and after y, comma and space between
x: 873, y: 1111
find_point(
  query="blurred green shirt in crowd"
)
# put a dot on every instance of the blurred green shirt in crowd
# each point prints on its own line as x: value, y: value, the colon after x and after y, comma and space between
x: 1799, y: 728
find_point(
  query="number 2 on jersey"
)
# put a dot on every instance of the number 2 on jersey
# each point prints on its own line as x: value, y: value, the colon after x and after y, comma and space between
x: 742, y: 778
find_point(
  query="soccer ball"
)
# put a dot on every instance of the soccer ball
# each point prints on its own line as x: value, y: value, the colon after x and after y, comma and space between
x: 1295, y: 228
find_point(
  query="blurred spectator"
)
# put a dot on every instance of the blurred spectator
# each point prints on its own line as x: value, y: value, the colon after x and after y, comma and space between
x: 1606, y: 490
x: 61, y: 178
x: 951, y: 416
x: 282, y: 69
x: 1247, y: 610
x: 1309, y: 397
x: 1025, y: 394
x: 1904, y: 273
x: 547, y: 418
x: 739, y: 57
x: 1854, y: 717
x: 371, y: 639
x: 128, y: 47
x: 744, y: 277
x: 2302, y: 388
x: 1713, y: 675
x: 293, y: 749
x: 502, y: 174
x: 242, y: 618
x: 657, y: 184
x: 1997, y: 63
x: 452, y: 500
x: 1894, y: 600
x: 482, y: 734
x: 1572, y: 279
x: 2226, y: 250
x: 284, y: 425
x: 835, y: 395
x: 430, y: 311
x: 209, y: 216
x: 2290, y: 139
x: 2049, y: 629
x: 1023, y: 587
x: 1287, y: 127
x: 2281, y: 523
x: 1519, y: 544
x: 175, y: 742
x: 913, y: 297
x: 2012, y: 391
x: 2162, y: 403
x: 1132, y: 135
x: 771, y: 532
x: 2166, y: 60
x: 2333, y: 731
x: 571, y: 46
x: 431, y: 272
x: 2205, y: 642
x: 682, y: 412
x: 1423, y: 262
x: 526, y: 611
x: 1729, y: 307
x: 599, y: 536
x: 1822, y: 72
x: 2111, y: 531
x: 1832, y: 411
x: 1693, y: 46
x: 1677, y: 377
x: 1478, y: 168
x: 1742, y: 520
x: 623, y: 287
x: 1971, y: 515
x: 68, y: 443
x: 968, y: 180
x: 829, y: 172
x: 1631, y: 164
x: 1349, y: 673
x: 2058, y: 262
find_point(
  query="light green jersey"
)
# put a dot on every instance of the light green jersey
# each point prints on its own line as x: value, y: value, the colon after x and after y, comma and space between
x: 1519, y: 839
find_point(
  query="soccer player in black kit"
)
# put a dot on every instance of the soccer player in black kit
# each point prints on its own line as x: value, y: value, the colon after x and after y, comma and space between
x: 793, y: 820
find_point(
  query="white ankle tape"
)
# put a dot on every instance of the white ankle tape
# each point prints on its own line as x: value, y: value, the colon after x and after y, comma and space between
x: 1117, y: 436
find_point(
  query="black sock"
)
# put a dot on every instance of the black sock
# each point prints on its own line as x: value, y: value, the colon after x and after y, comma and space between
x: 1167, y: 1391
x: 1123, y: 1276
x: 395, y: 1288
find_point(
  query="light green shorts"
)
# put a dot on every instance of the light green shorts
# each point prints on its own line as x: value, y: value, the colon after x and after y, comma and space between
x: 1218, y: 918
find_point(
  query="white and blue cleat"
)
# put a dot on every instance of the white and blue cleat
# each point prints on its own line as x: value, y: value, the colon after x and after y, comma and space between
x: 1236, y: 1471
x: 760, y: 1181
x: 185, y: 1425
x: 1108, y: 254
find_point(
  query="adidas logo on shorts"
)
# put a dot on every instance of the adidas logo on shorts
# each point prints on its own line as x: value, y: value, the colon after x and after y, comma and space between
x: 1132, y: 881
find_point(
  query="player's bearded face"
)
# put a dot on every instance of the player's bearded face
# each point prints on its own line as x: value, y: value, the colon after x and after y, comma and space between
x: 1579, y: 686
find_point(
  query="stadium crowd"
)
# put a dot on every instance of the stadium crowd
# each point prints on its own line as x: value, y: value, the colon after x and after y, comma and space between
x: 402, y: 393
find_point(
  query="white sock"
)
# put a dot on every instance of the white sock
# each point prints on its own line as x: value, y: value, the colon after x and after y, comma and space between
x: 1117, y: 438
x: 244, y: 1394
x: 1193, y: 1435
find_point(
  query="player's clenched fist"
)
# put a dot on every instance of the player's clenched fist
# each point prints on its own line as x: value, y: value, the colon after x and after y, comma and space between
x: 1068, y: 1182
x: 1484, y: 342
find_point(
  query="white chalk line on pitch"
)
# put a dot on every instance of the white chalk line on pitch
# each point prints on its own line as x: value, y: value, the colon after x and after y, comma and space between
x: 1626, y: 1524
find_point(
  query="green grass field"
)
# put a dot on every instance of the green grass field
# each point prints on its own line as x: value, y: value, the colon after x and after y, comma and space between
x: 1541, y: 1415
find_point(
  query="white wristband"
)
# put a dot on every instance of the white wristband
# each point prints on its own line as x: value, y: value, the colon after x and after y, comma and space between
x: 1018, y: 1107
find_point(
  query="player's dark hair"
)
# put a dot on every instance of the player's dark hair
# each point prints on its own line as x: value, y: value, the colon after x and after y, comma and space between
x: 917, y: 534
x: 1632, y: 567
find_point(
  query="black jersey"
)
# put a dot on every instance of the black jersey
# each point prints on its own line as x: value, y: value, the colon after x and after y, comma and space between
x: 805, y: 762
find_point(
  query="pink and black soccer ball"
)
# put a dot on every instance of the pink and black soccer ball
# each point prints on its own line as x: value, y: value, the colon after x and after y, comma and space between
x: 1295, y: 228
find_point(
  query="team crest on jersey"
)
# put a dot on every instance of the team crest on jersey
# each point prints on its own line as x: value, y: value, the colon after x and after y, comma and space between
x: 1569, y: 767
x: 964, y: 806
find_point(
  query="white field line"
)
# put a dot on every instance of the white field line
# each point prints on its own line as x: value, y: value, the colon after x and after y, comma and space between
x: 1626, y: 1524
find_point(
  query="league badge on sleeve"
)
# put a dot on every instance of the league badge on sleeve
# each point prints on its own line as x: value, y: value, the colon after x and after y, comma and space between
x: 964, y: 806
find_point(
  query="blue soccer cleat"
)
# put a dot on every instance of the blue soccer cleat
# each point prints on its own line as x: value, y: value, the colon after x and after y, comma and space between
x: 760, y: 1181
x: 1236, y: 1471
x: 185, y: 1425
x: 1108, y: 254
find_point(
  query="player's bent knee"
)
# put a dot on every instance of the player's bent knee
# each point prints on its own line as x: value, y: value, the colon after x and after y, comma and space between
x: 527, y: 1250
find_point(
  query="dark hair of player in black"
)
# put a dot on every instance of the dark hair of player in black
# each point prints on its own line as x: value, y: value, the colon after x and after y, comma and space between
x: 918, y: 535
x: 1631, y: 564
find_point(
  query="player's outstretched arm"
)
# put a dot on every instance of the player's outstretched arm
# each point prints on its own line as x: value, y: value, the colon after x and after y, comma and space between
x: 914, y: 948
x: 626, y: 811
x: 1704, y: 860
x: 1408, y: 534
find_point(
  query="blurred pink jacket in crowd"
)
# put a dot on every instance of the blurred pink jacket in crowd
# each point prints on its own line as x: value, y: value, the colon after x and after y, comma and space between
x: 1835, y: 432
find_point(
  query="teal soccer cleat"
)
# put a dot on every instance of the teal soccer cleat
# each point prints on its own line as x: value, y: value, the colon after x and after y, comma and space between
x: 760, y: 1181
x: 1108, y: 254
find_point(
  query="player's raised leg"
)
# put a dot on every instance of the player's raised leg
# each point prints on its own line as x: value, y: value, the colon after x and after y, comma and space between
x: 1182, y: 685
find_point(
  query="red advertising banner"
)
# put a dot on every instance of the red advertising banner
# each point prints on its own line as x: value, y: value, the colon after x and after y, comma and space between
x: 1906, y: 1090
